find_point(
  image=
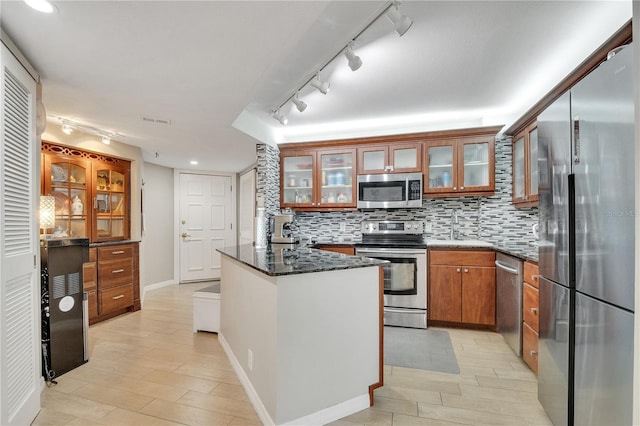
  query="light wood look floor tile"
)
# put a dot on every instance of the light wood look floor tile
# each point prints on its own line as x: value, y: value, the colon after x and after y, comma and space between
x: 148, y: 368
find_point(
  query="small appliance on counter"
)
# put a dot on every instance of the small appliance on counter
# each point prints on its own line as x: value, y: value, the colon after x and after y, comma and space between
x: 281, y: 232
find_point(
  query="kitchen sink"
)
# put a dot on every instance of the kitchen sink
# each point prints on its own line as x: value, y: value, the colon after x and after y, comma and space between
x: 458, y: 243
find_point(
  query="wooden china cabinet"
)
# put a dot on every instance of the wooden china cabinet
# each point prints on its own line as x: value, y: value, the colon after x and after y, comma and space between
x: 92, y: 200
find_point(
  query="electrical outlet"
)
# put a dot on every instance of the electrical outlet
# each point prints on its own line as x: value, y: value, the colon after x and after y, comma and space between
x: 428, y: 227
x: 343, y: 227
x: 250, y: 360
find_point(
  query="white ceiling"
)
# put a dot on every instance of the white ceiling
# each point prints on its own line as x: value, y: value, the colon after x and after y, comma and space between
x: 217, y: 68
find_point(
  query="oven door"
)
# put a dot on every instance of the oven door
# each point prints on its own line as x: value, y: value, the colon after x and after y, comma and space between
x: 405, y: 277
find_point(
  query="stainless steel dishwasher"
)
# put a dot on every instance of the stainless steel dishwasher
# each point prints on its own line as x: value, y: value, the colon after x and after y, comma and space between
x: 509, y: 300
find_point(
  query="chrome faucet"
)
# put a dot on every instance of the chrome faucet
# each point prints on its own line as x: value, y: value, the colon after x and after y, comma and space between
x: 454, y: 222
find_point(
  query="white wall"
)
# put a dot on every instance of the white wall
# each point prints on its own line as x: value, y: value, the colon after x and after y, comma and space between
x: 156, y: 264
x: 636, y: 368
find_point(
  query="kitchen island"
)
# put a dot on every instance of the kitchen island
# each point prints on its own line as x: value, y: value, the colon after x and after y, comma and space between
x: 303, y: 330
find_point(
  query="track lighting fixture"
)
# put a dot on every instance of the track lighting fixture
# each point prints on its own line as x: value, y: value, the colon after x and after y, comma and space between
x: 300, y: 104
x: 354, y: 61
x: 106, y: 140
x: 278, y: 116
x: 322, y: 86
x: 401, y: 23
x: 67, y: 129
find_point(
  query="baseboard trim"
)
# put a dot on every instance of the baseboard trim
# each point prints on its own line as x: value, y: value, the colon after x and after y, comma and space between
x: 154, y: 286
x: 321, y: 417
x: 246, y: 383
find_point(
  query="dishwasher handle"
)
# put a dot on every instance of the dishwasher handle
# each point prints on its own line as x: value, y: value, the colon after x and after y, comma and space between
x: 507, y: 268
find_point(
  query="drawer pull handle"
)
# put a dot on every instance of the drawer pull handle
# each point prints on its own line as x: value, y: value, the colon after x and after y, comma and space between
x: 534, y: 310
x: 118, y: 297
x: 534, y: 277
x: 117, y: 271
x: 533, y: 353
x: 118, y: 252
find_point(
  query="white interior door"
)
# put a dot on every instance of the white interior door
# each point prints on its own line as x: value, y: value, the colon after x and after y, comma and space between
x: 247, y: 207
x: 206, y: 224
x: 20, y: 359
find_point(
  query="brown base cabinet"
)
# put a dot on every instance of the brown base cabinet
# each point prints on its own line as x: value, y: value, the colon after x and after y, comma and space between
x: 530, y: 321
x: 111, y: 279
x: 462, y: 287
x: 346, y: 249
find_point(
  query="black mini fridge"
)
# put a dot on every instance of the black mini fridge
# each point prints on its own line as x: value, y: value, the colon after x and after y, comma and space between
x: 64, y: 317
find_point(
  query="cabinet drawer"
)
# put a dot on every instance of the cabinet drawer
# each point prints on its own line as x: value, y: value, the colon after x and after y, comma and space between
x: 530, y: 347
x: 115, y: 272
x: 89, y: 276
x: 93, y: 303
x: 462, y: 257
x: 115, y: 252
x: 530, y: 306
x: 339, y: 249
x: 115, y: 298
x: 531, y: 273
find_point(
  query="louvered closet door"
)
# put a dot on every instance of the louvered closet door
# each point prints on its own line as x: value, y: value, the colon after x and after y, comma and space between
x: 19, y: 288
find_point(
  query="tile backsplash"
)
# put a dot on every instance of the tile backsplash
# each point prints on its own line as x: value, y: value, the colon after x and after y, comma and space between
x: 492, y: 219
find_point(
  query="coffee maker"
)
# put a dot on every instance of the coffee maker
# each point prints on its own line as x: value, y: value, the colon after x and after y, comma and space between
x: 281, y: 232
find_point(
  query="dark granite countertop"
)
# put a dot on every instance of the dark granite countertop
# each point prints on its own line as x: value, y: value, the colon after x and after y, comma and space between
x: 278, y: 260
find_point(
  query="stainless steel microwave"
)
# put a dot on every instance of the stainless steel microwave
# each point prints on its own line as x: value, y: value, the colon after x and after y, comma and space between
x: 388, y: 191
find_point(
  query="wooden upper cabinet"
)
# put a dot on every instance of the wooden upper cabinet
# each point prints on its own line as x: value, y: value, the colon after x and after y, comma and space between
x: 525, y: 167
x: 459, y: 166
x: 391, y: 158
x: 91, y: 192
x: 318, y: 179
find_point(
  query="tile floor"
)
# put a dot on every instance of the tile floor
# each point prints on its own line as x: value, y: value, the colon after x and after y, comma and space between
x: 149, y: 368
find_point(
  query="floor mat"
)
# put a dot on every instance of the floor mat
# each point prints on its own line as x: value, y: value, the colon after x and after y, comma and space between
x: 419, y: 348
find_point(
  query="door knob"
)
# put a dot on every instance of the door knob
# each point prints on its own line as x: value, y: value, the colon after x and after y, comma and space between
x: 185, y: 235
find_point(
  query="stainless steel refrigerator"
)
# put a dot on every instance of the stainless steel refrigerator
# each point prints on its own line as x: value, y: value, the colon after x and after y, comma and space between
x: 586, y: 252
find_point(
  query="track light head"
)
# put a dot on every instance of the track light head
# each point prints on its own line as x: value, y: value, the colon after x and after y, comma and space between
x: 401, y: 23
x: 300, y: 104
x: 278, y: 116
x: 322, y: 86
x: 354, y: 61
x: 67, y: 129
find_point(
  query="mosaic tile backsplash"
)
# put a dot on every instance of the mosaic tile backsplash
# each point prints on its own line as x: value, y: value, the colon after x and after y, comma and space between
x: 492, y: 219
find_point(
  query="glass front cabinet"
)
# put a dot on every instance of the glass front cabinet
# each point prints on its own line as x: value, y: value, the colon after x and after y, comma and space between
x: 525, y: 167
x: 318, y: 179
x: 91, y: 193
x: 396, y: 158
x: 459, y: 166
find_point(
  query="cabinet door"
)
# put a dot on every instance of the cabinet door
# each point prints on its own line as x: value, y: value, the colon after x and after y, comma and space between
x: 530, y: 306
x: 530, y: 347
x: 373, y: 159
x: 68, y: 182
x: 406, y: 158
x: 297, y: 179
x: 518, y: 170
x: 439, y: 172
x: 478, y: 295
x: 476, y: 166
x: 111, y: 206
x: 533, y: 164
x: 444, y: 293
x: 336, y: 175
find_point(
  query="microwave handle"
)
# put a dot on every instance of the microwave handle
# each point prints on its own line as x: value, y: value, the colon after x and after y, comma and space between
x: 406, y: 187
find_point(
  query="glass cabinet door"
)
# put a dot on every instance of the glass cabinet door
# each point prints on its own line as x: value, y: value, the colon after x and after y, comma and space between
x: 110, y: 204
x: 297, y: 175
x: 337, y: 178
x: 67, y: 183
x: 406, y: 158
x: 372, y: 159
x: 518, y: 168
x: 440, y: 168
x: 533, y: 162
x: 476, y: 165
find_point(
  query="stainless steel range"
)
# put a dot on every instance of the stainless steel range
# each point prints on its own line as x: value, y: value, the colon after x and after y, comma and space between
x: 405, y: 277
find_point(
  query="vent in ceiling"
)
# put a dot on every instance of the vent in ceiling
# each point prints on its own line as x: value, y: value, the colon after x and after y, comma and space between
x: 156, y: 120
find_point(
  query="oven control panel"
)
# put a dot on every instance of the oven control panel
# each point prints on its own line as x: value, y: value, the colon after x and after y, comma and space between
x: 392, y: 227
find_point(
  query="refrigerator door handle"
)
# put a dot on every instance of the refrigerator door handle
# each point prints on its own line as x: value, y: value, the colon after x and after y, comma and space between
x: 576, y: 139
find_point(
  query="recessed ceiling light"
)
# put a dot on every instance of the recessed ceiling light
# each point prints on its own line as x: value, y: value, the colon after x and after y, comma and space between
x: 43, y: 6
x: 194, y: 162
